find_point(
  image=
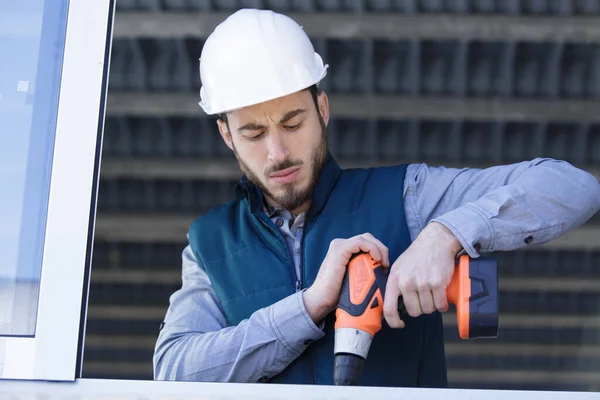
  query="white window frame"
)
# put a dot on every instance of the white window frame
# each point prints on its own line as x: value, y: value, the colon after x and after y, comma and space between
x: 55, y: 351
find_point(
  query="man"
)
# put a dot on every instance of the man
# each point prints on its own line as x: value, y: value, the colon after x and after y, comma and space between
x: 262, y: 273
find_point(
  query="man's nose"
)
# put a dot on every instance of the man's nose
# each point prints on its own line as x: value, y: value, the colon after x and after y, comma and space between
x: 277, y: 147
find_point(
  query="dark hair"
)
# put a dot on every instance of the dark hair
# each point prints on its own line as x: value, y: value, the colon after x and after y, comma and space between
x: 314, y: 91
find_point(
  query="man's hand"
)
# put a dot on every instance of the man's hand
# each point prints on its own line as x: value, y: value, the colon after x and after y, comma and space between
x: 421, y: 275
x: 324, y: 295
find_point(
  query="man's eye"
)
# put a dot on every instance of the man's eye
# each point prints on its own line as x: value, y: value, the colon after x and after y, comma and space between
x: 255, y: 137
x: 293, y: 127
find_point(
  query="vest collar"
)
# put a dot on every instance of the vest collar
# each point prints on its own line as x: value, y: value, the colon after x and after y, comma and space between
x: 245, y: 189
x: 325, y: 183
x: 330, y: 173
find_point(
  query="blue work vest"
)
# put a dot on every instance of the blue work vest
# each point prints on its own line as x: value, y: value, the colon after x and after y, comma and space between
x: 250, y: 267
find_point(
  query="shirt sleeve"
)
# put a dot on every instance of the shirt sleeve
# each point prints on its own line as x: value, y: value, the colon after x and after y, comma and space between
x: 195, y: 343
x: 503, y: 207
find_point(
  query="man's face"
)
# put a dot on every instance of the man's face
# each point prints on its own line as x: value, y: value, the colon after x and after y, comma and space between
x: 281, y: 146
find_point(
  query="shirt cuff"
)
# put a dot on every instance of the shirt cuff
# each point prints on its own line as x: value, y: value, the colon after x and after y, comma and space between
x: 471, y: 227
x: 292, y: 324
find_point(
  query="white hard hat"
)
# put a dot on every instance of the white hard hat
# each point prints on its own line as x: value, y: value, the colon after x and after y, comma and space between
x: 255, y: 56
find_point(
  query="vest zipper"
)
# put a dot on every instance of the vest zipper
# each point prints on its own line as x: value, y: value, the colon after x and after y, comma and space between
x: 301, y: 277
x: 277, y: 233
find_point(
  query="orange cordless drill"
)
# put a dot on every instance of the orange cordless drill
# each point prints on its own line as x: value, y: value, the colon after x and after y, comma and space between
x: 473, y: 290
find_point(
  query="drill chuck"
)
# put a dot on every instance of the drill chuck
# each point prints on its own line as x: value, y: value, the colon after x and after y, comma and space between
x: 348, y: 369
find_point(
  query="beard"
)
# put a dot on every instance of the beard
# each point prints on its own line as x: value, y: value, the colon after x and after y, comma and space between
x: 290, y: 196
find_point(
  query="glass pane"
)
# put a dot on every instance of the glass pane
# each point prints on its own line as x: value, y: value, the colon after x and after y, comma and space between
x: 31, y: 49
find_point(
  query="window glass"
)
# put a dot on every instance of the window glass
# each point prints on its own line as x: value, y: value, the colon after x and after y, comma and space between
x: 31, y: 51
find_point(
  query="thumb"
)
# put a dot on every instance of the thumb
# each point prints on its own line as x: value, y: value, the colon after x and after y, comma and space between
x: 390, y: 303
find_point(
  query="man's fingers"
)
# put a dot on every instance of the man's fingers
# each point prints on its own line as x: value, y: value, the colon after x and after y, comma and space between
x: 390, y: 304
x: 440, y: 299
x: 383, y: 250
x: 426, y: 301
x: 363, y: 244
x: 386, y: 256
x: 412, y: 303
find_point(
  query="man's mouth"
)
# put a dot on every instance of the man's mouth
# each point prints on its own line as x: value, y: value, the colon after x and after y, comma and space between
x: 285, y: 175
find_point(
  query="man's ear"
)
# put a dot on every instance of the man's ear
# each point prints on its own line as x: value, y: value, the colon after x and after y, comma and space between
x: 324, y: 106
x: 225, y: 134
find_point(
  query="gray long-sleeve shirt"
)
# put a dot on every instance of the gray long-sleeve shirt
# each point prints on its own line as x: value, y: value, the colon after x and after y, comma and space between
x: 498, y: 208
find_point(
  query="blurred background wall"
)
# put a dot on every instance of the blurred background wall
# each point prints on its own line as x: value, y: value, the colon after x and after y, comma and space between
x: 453, y: 82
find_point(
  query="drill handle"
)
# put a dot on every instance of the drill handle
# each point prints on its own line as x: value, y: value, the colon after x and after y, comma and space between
x: 361, y: 298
